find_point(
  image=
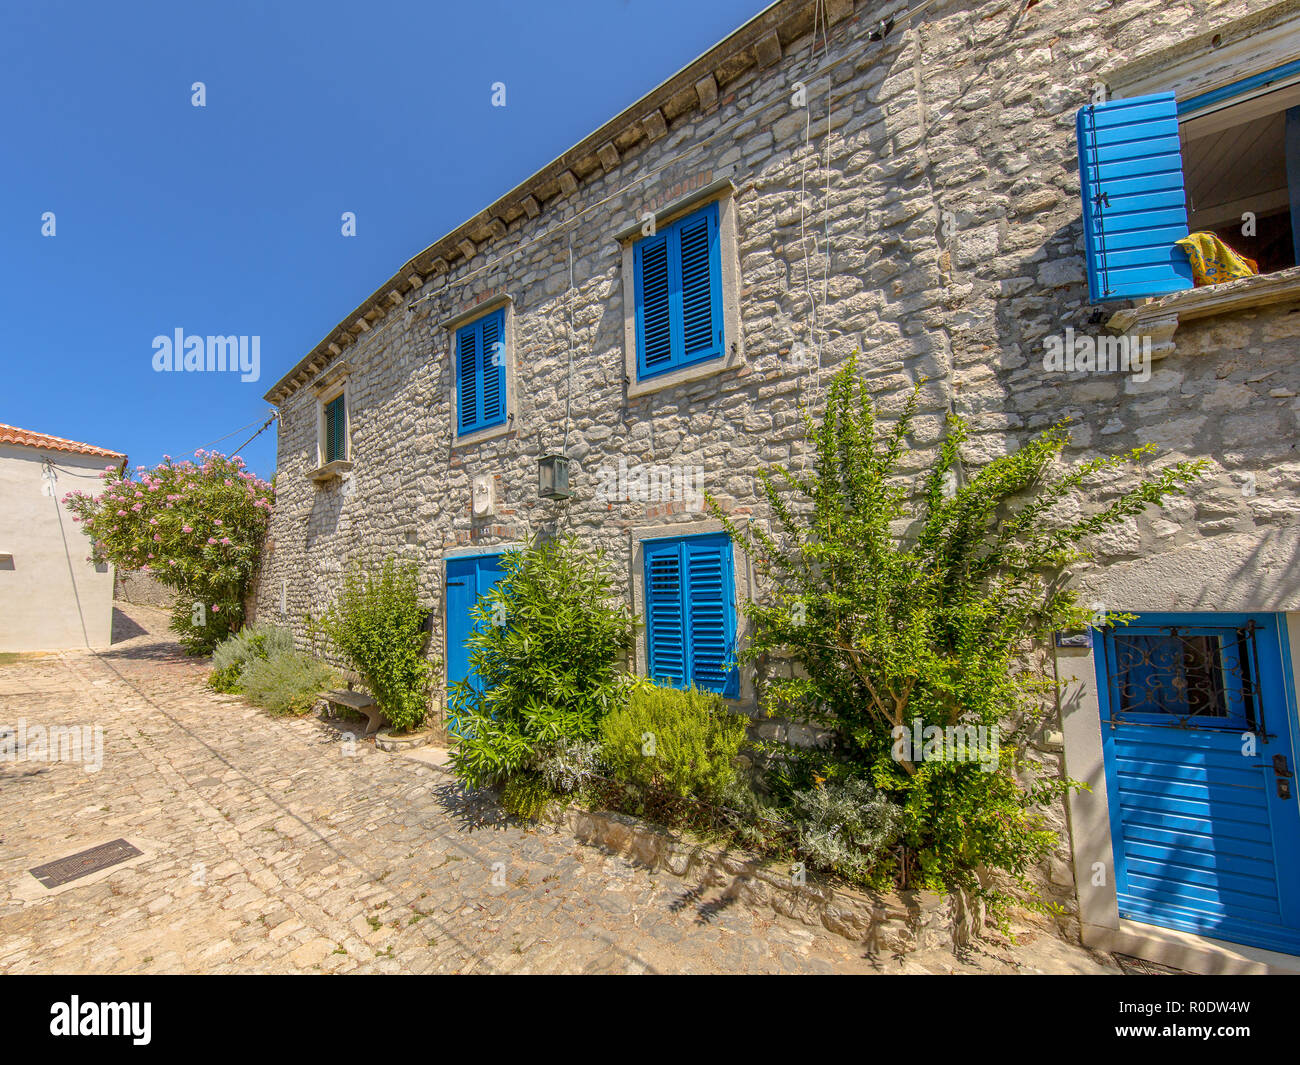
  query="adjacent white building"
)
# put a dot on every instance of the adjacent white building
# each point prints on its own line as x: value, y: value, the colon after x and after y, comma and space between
x: 51, y: 597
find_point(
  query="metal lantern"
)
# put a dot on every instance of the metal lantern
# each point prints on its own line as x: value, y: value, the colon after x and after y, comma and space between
x: 553, y: 477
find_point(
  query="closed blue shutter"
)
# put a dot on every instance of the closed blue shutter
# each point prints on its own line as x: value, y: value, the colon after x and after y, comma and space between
x: 467, y: 389
x: 679, y: 294
x: 711, y: 610
x: 690, y: 613
x: 494, y: 369
x: 654, y: 332
x: 701, y: 287
x: 481, y: 373
x: 665, y: 618
x: 1134, y: 204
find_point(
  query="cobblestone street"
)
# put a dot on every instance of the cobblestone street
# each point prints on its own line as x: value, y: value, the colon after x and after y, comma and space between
x: 268, y: 848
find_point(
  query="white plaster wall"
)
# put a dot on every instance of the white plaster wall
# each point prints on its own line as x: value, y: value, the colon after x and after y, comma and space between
x: 51, y: 598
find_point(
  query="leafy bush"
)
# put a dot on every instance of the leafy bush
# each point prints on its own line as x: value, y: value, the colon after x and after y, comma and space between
x: 196, y: 526
x: 846, y: 827
x: 527, y: 795
x: 907, y: 602
x: 682, y: 743
x: 237, y: 651
x: 286, y: 682
x: 547, y: 653
x: 377, y: 625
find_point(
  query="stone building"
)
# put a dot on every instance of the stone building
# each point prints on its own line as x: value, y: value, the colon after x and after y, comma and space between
x: 657, y: 302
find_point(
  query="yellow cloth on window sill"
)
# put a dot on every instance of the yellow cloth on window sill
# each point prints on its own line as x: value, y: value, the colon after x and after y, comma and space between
x: 1213, y: 262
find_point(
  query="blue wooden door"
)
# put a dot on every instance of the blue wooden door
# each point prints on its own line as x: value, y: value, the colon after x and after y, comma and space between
x: 467, y: 578
x: 1197, y: 738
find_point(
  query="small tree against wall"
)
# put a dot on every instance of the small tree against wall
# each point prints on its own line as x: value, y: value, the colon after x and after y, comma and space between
x: 912, y: 606
x: 548, y: 652
x: 197, y: 526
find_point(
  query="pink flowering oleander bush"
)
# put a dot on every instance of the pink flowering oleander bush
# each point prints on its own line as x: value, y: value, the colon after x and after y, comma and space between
x: 197, y: 526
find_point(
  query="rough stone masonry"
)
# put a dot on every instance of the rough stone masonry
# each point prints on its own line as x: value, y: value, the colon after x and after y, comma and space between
x: 922, y: 206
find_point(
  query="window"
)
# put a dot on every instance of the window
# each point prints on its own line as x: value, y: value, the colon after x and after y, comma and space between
x: 1154, y: 168
x: 1196, y: 675
x: 336, y: 430
x: 481, y: 373
x: 691, y: 613
x: 679, y: 295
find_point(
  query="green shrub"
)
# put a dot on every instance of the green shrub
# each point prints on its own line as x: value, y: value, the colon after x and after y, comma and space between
x: 681, y: 743
x: 377, y: 625
x: 527, y: 795
x: 237, y: 651
x: 846, y: 827
x: 569, y: 765
x: 913, y: 602
x: 547, y: 650
x: 286, y: 682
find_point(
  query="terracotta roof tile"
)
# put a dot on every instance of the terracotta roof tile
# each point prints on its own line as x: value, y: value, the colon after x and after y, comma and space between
x: 11, y: 434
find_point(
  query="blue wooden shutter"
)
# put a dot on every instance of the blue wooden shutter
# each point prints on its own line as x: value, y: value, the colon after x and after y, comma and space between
x: 467, y: 376
x: 492, y: 342
x: 1134, y: 204
x: 701, y: 286
x: 653, y: 320
x: 665, y: 615
x: 679, y: 294
x: 711, y: 612
x: 691, y: 613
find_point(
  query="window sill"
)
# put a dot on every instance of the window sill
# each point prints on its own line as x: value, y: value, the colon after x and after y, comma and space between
x: 488, y: 432
x: 1160, y: 318
x: 328, y: 472
x: 695, y: 372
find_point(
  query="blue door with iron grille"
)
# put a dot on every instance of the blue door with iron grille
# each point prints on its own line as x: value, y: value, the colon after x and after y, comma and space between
x: 1197, y: 739
x: 467, y: 578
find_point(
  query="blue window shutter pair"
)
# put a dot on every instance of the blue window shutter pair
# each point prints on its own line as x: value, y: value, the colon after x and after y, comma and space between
x: 336, y: 445
x: 481, y: 373
x: 1134, y: 203
x: 679, y: 295
x: 691, y: 613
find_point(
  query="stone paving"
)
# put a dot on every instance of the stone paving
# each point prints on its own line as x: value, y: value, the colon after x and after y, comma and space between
x: 268, y: 847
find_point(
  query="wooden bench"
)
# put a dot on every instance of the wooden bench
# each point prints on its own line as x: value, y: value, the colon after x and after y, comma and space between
x: 362, y: 703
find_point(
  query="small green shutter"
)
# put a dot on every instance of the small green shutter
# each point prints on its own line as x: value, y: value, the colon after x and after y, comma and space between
x: 335, y: 426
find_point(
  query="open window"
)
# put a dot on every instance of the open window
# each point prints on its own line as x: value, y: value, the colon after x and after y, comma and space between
x: 1236, y: 161
x: 1155, y: 168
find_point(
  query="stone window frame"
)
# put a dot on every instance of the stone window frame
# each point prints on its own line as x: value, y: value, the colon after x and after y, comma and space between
x: 721, y: 192
x: 742, y: 580
x: 328, y: 387
x: 449, y: 327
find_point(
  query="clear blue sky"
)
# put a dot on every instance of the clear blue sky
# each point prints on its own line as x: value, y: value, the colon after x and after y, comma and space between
x: 225, y: 219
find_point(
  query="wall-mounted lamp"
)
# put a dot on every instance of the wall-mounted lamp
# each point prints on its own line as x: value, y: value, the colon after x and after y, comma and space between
x: 553, y: 477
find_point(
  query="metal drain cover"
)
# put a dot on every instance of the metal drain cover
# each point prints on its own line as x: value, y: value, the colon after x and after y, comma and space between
x: 74, y: 867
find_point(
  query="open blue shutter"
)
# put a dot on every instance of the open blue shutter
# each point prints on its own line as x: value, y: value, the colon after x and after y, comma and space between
x: 711, y: 610
x: 494, y: 369
x: 701, y: 286
x: 1134, y: 205
x: 665, y: 616
x: 653, y: 322
x: 467, y: 387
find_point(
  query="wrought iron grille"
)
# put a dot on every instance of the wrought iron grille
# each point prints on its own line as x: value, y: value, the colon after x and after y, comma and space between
x: 1175, y: 678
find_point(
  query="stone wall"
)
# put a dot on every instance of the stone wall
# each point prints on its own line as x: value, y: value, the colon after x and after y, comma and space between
x: 929, y: 216
x: 133, y: 586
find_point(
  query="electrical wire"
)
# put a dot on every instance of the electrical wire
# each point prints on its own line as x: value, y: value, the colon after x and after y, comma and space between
x: 265, y: 425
